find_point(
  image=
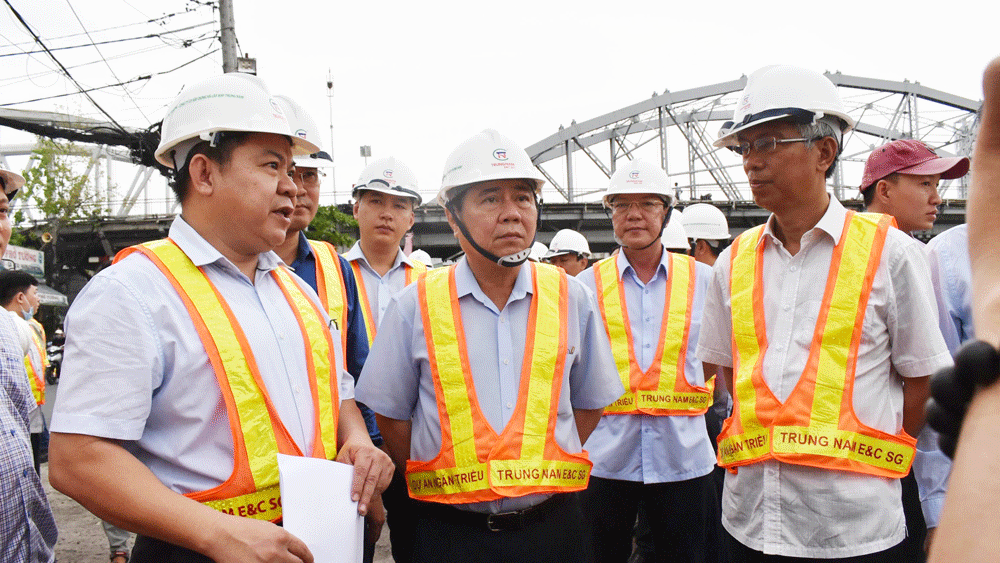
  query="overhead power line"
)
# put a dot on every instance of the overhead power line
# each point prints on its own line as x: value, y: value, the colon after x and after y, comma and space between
x: 65, y: 71
x: 109, y: 41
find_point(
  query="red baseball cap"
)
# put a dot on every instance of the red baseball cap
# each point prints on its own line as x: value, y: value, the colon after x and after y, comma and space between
x: 909, y: 156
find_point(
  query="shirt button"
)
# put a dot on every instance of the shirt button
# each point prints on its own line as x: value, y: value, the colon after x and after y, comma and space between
x: 779, y: 347
x: 787, y: 307
x: 506, y: 361
x: 646, y: 345
x: 510, y: 405
x: 793, y: 268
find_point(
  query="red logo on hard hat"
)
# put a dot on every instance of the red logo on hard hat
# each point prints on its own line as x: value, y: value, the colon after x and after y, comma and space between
x: 500, y: 154
x: 387, y: 173
x: 277, y: 109
x: 634, y: 174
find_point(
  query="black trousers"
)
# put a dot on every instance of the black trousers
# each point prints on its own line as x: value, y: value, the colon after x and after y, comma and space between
x: 151, y: 550
x: 444, y: 535
x: 683, y: 518
x: 916, y: 527
x: 399, y: 514
x: 739, y: 553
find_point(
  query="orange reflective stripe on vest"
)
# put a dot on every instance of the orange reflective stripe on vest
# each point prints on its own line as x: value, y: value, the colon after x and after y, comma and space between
x: 474, y: 463
x: 366, y: 309
x: 663, y: 389
x: 36, y: 373
x: 330, y: 286
x: 258, y: 434
x: 816, y: 424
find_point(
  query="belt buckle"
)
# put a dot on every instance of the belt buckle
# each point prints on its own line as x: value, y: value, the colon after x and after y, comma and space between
x: 501, y: 521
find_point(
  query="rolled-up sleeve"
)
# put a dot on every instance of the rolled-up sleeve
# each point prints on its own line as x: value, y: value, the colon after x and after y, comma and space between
x: 389, y: 382
x: 715, y: 339
x: 594, y: 381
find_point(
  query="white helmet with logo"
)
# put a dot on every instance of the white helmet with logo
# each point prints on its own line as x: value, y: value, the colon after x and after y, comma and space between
x: 705, y: 221
x: 422, y: 257
x: 639, y: 177
x: 567, y: 241
x: 390, y: 176
x: 780, y: 92
x: 483, y: 157
x: 674, y: 237
x: 228, y: 102
x: 12, y: 181
x: 304, y: 127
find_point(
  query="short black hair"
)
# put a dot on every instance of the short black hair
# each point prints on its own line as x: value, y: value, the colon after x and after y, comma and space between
x: 13, y: 282
x: 221, y: 153
x: 869, y: 194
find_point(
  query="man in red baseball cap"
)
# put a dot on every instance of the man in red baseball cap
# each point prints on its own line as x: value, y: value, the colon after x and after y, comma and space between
x: 901, y: 179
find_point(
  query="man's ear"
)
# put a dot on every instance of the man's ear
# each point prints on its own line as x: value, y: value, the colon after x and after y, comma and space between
x: 202, y: 170
x: 882, y: 189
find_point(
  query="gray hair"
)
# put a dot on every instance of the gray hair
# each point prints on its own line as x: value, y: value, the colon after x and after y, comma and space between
x: 826, y: 126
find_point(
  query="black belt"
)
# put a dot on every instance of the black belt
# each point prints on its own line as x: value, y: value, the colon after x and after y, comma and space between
x: 501, y: 522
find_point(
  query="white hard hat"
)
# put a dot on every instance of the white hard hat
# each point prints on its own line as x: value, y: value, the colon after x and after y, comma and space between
x: 639, y: 177
x: 422, y: 257
x: 304, y: 127
x: 228, y: 102
x: 566, y: 241
x: 389, y: 176
x: 780, y: 92
x: 538, y: 251
x: 705, y: 221
x: 12, y: 181
x: 674, y: 237
x: 486, y: 156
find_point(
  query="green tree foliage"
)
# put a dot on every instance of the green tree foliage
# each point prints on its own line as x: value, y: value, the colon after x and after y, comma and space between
x: 57, y: 190
x: 333, y: 226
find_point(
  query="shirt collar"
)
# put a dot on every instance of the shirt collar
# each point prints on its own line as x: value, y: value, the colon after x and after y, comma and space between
x: 202, y: 253
x: 304, y: 250
x: 356, y: 254
x: 623, y: 264
x: 832, y: 222
x: 466, y: 284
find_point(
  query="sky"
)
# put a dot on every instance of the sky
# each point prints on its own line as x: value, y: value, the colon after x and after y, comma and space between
x: 414, y: 79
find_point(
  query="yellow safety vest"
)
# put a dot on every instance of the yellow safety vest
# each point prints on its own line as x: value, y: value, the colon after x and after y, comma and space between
x: 36, y: 373
x: 330, y: 286
x: 474, y: 463
x: 366, y: 309
x: 663, y: 389
x: 258, y: 434
x: 816, y: 425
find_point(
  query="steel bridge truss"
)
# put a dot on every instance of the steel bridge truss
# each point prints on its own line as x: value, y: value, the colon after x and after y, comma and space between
x: 676, y: 129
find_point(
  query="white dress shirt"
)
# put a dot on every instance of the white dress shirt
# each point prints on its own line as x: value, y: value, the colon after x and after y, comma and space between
x: 136, y: 370
x: 800, y: 511
x: 642, y: 447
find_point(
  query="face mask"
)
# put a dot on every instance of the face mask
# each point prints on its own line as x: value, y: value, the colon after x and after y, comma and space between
x: 28, y: 314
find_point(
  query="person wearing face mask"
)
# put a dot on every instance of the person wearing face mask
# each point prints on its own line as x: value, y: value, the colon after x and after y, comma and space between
x: 19, y: 295
x: 27, y: 528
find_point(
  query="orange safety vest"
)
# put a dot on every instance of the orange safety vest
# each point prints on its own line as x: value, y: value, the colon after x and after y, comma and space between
x: 36, y: 374
x: 330, y: 286
x: 40, y: 333
x: 816, y: 425
x: 412, y: 273
x: 258, y: 434
x: 475, y: 464
x: 663, y: 389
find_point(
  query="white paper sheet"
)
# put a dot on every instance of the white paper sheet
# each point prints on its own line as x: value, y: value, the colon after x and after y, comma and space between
x: 317, y: 508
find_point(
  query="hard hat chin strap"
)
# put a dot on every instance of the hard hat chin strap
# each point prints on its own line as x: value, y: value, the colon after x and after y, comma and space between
x: 510, y: 261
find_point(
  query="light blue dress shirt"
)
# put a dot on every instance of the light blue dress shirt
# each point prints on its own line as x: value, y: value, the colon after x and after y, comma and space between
x: 136, y: 370
x: 641, y: 447
x: 396, y: 381
x: 379, y: 289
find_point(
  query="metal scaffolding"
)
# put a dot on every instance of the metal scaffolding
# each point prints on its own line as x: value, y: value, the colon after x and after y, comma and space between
x: 676, y: 129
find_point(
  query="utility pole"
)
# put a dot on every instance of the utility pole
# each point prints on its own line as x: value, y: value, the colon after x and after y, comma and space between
x: 227, y: 27
x: 329, y: 96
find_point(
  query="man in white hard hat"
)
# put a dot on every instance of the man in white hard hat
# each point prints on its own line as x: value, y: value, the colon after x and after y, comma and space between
x: 488, y: 376
x: 194, y: 360
x: 707, y: 227
x: 385, y: 197
x: 651, y: 444
x: 27, y: 528
x: 570, y: 251
x: 329, y: 274
x: 823, y: 320
x: 674, y: 237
